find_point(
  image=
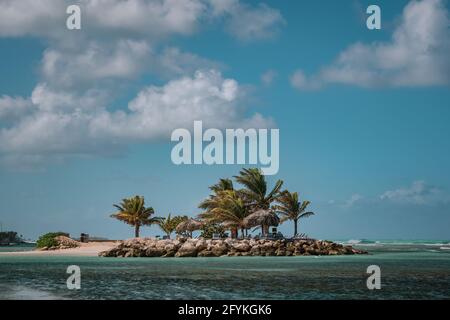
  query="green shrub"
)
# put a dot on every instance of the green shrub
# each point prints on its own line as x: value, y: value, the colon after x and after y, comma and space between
x: 210, y: 228
x: 48, y: 239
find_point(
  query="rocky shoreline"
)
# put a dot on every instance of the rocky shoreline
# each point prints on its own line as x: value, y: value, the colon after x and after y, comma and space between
x: 61, y: 243
x: 187, y: 247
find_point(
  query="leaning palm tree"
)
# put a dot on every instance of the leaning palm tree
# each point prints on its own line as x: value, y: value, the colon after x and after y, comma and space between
x: 292, y: 209
x: 132, y: 211
x: 169, y: 224
x: 255, y: 189
x: 211, y: 201
x: 229, y: 209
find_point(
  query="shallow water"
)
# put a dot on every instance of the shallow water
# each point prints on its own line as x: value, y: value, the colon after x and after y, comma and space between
x: 409, y: 271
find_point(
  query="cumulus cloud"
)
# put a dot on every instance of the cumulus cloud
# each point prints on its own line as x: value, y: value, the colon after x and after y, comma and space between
x: 353, y: 200
x: 72, y: 112
x: 122, y: 60
x: 418, y: 193
x: 268, y: 77
x: 416, y: 55
x: 249, y: 22
x: 64, y: 123
x: 12, y: 107
x: 46, y: 18
x: 148, y: 18
x: 173, y: 62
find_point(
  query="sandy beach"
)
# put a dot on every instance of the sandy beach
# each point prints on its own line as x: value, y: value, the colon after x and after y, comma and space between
x: 91, y: 249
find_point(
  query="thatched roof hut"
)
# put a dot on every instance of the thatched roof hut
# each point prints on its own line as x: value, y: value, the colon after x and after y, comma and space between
x: 262, y: 218
x: 189, y: 226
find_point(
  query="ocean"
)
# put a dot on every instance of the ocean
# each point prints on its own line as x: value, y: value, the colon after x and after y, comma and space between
x: 409, y: 270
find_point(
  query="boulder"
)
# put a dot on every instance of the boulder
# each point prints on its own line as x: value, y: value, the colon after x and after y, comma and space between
x: 206, y: 253
x: 220, y: 250
x: 188, y: 249
x: 184, y: 247
x: 241, y: 247
x: 154, y: 252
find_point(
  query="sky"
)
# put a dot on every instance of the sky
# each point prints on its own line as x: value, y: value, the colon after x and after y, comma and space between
x: 86, y: 115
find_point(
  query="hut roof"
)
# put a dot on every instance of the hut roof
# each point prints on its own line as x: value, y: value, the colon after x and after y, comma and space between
x: 262, y: 217
x: 189, y: 226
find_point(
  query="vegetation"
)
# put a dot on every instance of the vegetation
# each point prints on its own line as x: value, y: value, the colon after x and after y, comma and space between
x: 209, y: 229
x: 227, y: 208
x: 132, y: 211
x: 230, y: 210
x: 292, y: 209
x: 255, y: 189
x: 169, y: 224
x: 9, y: 237
x: 48, y: 239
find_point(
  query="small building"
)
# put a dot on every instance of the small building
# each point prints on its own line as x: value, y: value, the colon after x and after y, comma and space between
x: 84, y: 237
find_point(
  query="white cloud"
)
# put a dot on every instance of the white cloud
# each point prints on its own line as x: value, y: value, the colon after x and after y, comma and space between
x: 152, y: 19
x: 299, y: 80
x: 149, y: 17
x: 173, y: 62
x: 31, y: 17
x: 418, y: 193
x: 247, y: 22
x: 65, y: 124
x: 353, y: 200
x: 268, y: 77
x: 46, y: 18
x: 122, y: 60
x: 13, y: 107
x: 70, y: 111
x: 416, y: 55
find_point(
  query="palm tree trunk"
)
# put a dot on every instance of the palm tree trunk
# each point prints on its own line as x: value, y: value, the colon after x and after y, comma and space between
x: 295, y: 227
x: 265, y: 230
x: 136, y: 231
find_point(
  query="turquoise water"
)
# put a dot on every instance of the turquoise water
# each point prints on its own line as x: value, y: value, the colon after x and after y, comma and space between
x: 16, y: 248
x: 409, y: 270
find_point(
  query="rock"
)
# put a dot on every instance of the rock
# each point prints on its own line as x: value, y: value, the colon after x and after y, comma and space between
x: 64, y: 243
x: 241, y: 247
x: 184, y: 247
x: 187, y: 250
x: 154, y: 252
x: 206, y: 253
x: 128, y: 254
x: 220, y: 250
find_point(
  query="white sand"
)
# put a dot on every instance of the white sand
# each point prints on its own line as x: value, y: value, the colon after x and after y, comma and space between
x: 91, y: 249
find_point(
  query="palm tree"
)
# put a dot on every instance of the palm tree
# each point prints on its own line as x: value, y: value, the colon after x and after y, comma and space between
x: 292, y: 209
x: 222, y: 185
x: 132, y: 211
x: 169, y: 224
x: 229, y: 209
x: 255, y: 189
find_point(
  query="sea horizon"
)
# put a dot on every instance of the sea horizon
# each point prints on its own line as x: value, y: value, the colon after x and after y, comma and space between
x: 410, y: 270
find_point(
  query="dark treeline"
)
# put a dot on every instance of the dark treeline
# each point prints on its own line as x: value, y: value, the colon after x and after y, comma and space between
x: 9, y: 237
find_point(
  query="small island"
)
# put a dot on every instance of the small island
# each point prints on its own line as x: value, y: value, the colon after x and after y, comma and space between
x: 188, y: 247
x: 10, y: 238
x: 227, y: 224
x: 238, y: 210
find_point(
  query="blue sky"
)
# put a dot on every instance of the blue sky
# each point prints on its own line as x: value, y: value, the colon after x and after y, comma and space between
x: 85, y: 115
